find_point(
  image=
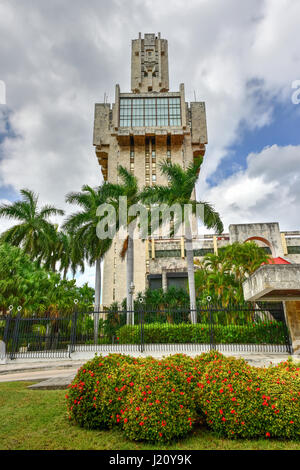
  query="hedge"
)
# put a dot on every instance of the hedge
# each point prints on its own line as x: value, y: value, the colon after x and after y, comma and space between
x: 255, y: 333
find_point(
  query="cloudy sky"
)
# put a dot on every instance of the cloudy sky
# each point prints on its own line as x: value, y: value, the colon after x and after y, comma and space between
x: 242, y: 58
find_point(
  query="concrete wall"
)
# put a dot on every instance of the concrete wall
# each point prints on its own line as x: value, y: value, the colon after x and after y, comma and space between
x: 292, y: 313
x: 268, y: 231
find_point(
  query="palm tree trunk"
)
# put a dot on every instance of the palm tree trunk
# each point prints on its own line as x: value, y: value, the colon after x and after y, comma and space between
x: 191, y: 273
x: 130, y: 271
x: 97, y: 299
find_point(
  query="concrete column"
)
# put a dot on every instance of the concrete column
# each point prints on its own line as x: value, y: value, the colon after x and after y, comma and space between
x: 215, y: 245
x: 292, y: 313
x: 153, y: 248
x: 283, y: 242
x: 164, y: 280
x: 182, y: 247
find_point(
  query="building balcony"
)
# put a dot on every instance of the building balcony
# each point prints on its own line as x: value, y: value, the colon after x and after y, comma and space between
x: 177, y: 134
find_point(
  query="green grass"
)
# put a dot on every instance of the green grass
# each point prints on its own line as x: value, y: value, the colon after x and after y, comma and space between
x: 37, y: 420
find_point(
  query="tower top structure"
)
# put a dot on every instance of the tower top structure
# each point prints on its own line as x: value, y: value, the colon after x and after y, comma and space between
x: 149, y: 64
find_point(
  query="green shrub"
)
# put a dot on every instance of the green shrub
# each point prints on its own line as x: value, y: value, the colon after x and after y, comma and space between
x: 159, y: 406
x: 256, y: 333
x: 162, y: 399
x: 237, y: 400
x: 93, y: 398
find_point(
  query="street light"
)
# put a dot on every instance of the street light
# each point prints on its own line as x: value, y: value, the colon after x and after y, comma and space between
x: 132, y: 287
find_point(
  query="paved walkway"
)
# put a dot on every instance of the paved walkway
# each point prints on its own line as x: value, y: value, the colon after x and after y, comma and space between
x: 30, y: 365
x: 60, y: 372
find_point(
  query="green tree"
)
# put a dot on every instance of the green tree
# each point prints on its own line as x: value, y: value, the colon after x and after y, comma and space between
x: 180, y: 192
x: 38, y: 291
x: 221, y: 276
x: 62, y: 250
x: 128, y: 188
x: 34, y: 233
x: 81, y: 226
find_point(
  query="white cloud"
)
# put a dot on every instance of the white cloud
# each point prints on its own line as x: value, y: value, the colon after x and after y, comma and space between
x: 268, y: 190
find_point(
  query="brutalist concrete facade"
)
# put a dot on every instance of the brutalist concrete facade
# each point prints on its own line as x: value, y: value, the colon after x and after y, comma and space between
x: 124, y: 134
x: 137, y: 131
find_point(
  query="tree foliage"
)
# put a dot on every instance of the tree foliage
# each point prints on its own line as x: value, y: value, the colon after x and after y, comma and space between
x: 221, y: 276
x: 38, y: 291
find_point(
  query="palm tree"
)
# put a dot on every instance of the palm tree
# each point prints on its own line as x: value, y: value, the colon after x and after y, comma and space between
x: 221, y: 276
x: 34, y: 233
x: 129, y: 189
x: 179, y: 191
x: 62, y: 250
x: 86, y: 244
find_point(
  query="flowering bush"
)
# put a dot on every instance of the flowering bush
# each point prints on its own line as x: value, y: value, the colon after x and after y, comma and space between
x: 237, y: 400
x: 159, y: 405
x: 162, y: 399
x: 94, y: 396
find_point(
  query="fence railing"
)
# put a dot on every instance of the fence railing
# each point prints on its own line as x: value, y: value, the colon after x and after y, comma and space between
x: 245, y: 328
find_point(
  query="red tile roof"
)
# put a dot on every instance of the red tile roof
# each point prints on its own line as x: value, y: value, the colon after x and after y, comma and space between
x: 277, y: 261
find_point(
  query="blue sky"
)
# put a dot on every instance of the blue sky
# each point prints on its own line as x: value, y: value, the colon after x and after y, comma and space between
x: 283, y: 130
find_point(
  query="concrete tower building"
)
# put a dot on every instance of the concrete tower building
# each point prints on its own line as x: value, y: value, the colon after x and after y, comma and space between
x: 137, y: 131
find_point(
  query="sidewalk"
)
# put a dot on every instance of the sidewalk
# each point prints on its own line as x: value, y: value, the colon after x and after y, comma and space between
x: 18, y: 366
x: 61, y: 372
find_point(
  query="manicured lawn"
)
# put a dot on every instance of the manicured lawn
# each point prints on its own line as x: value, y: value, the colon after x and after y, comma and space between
x: 37, y: 420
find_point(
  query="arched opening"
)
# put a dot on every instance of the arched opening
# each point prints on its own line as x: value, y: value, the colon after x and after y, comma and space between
x: 264, y: 241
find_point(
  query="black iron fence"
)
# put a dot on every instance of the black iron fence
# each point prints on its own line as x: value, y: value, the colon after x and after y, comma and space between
x: 234, y: 328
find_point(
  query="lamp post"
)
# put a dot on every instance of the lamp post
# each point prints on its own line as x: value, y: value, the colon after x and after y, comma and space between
x: 132, y: 287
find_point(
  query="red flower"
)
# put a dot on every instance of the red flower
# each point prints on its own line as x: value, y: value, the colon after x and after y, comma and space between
x: 163, y: 423
x: 267, y: 434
